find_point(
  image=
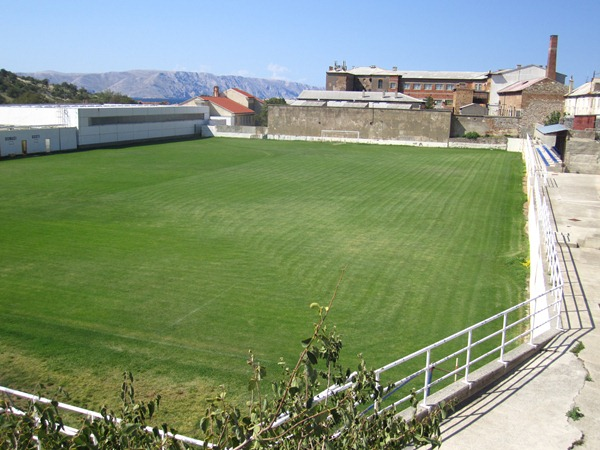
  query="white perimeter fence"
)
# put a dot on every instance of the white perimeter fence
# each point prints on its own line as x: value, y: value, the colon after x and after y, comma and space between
x: 457, y: 356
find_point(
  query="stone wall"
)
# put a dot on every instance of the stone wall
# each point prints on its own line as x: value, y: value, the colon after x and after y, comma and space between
x: 485, y: 125
x: 363, y: 123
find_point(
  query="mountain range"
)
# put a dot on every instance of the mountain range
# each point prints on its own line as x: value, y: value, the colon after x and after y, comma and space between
x: 174, y: 86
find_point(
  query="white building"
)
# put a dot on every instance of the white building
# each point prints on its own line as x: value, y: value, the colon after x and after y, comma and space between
x: 585, y: 100
x: 100, y: 125
x: 29, y: 140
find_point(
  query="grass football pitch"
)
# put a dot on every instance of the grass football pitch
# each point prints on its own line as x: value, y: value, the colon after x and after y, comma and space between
x: 173, y: 260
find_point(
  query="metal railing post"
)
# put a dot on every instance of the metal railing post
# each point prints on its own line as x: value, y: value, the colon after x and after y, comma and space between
x: 427, y: 377
x: 468, y: 362
x: 504, y: 323
x: 378, y: 386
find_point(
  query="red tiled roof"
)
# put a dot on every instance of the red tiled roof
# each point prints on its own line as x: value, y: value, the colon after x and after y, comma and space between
x: 228, y: 104
x: 246, y: 94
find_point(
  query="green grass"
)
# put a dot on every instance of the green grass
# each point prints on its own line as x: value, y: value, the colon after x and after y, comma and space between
x: 174, y: 260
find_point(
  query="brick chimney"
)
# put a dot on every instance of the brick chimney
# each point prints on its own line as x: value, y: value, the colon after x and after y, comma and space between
x: 551, y: 67
x: 216, y: 91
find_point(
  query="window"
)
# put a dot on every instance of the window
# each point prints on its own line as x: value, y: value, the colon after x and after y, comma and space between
x: 392, y: 85
x: 406, y: 86
x: 439, y: 87
x: 449, y: 102
x: 450, y: 87
x: 428, y: 86
x: 114, y: 120
x: 379, y: 84
x: 417, y: 86
x: 478, y: 86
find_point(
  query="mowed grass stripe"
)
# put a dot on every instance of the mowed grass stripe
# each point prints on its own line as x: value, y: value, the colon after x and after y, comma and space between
x: 173, y: 260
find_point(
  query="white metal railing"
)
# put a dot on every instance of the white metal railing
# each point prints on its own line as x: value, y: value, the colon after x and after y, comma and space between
x: 474, y: 345
x: 91, y: 415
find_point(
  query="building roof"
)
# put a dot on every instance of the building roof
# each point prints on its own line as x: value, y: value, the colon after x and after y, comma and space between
x: 549, y: 129
x: 414, y: 74
x: 354, y: 96
x: 516, y: 69
x: 519, y: 86
x: 246, y: 94
x: 589, y: 88
x: 442, y: 75
x: 228, y: 104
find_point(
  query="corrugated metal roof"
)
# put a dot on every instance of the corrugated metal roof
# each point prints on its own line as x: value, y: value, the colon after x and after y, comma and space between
x: 442, y: 75
x: 519, y: 86
x: 516, y: 69
x: 354, y: 96
x: 549, y: 129
x: 418, y: 74
x: 307, y: 103
x: 586, y: 89
x: 344, y: 104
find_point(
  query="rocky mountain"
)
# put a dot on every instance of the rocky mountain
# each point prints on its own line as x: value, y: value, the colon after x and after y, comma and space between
x: 172, y: 85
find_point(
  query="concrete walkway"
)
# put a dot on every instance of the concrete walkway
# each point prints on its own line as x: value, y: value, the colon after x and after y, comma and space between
x: 528, y: 409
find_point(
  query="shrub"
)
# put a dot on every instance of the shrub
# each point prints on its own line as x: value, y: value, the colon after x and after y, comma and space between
x: 472, y: 135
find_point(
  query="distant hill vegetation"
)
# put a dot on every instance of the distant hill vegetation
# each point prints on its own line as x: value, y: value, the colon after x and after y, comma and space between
x: 18, y: 89
x: 173, y: 86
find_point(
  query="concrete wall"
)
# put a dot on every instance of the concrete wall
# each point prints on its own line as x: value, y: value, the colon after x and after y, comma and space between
x: 485, y: 125
x: 36, y: 140
x: 122, y: 128
x: 583, y: 156
x: 367, y: 123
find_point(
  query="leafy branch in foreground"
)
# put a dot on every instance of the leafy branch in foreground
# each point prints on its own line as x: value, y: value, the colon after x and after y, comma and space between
x: 306, y: 409
x: 294, y: 418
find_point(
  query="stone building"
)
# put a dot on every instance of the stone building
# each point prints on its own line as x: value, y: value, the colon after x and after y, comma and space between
x: 532, y: 100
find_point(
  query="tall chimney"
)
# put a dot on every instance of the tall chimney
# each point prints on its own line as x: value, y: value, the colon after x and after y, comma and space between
x: 551, y: 67
x: 216, y: 91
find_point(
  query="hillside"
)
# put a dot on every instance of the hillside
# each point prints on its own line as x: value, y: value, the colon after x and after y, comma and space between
x: 173, y: 85
x: 18, y: 89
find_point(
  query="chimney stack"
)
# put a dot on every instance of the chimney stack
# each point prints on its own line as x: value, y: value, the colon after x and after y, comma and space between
x: 551, y: 67
x: 216, y: 91
x: 571, y: 84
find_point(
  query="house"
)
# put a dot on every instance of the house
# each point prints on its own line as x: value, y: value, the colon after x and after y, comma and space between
x: 245, y: 99
x: 583, y: 105
x: 532, y: 101
x: 223, y: 110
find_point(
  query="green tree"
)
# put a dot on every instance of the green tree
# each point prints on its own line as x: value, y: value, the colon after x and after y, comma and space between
x: 262, y: 118
x: 553, y: 118
x: 429, y: 103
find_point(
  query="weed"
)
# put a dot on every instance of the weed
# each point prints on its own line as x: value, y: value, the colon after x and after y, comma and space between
x: 574, y: 413
x: 577, y: 348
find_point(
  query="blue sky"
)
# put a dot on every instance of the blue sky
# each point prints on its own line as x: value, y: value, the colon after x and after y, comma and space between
x: 296, y: 41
